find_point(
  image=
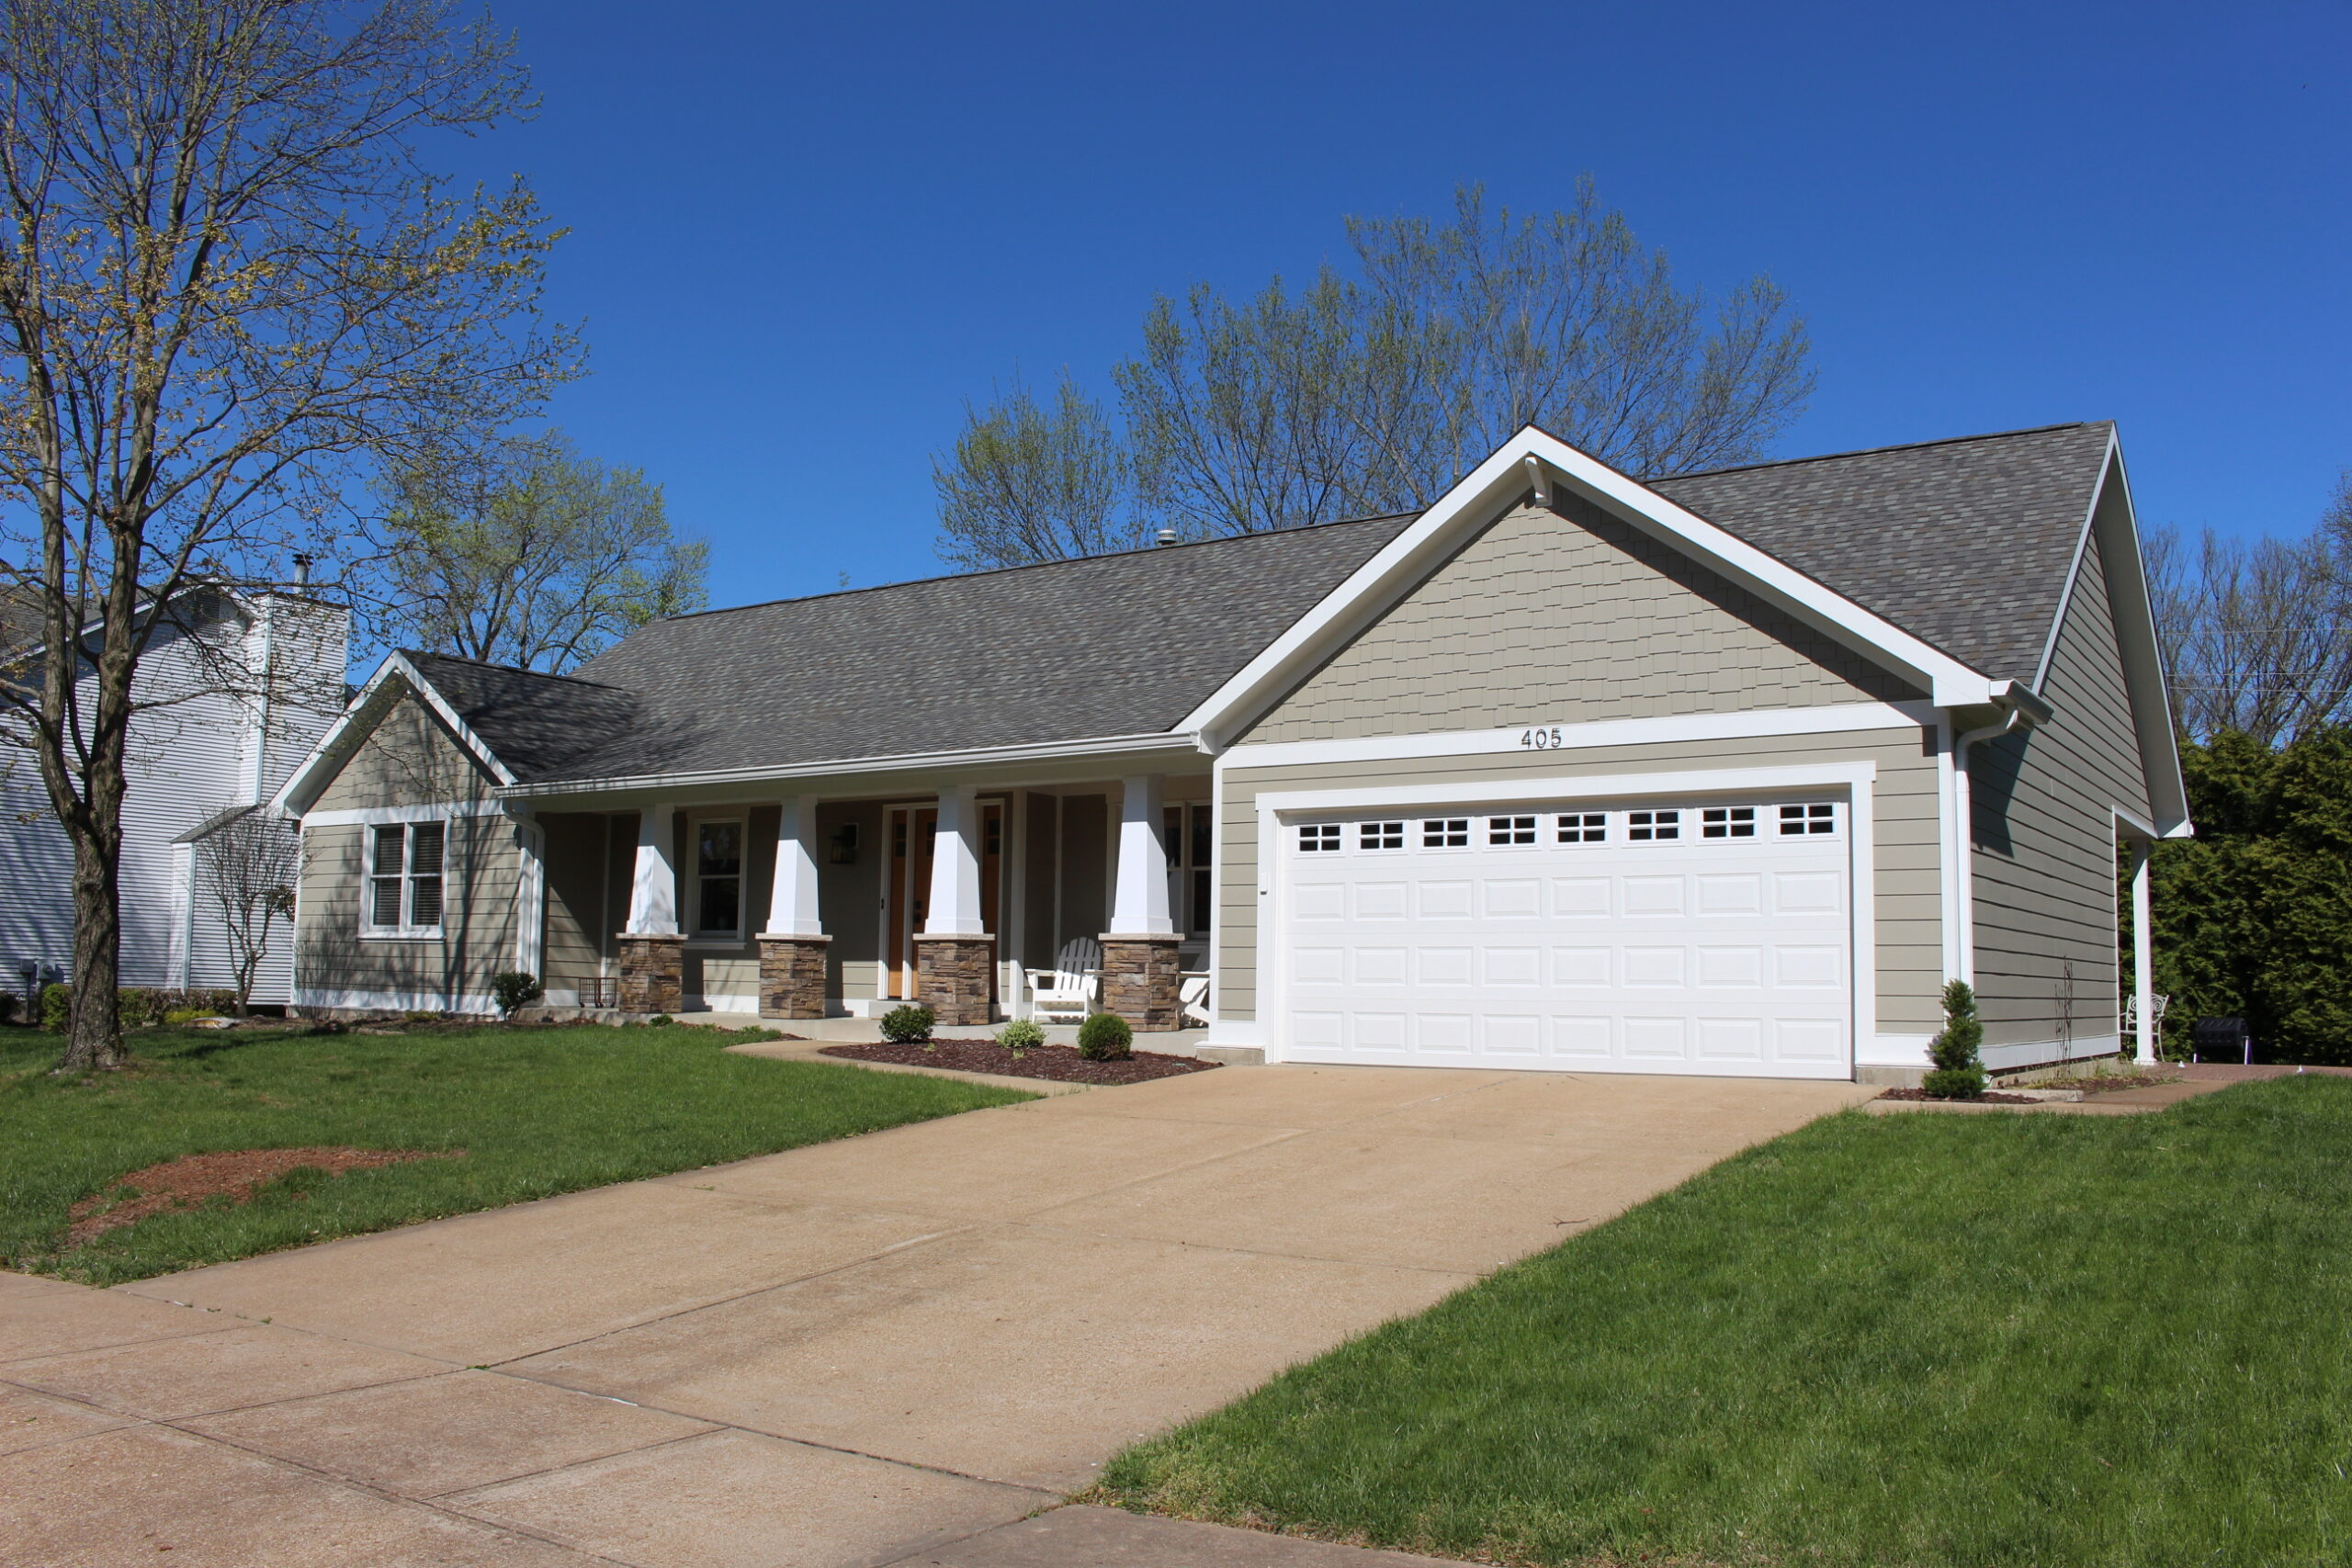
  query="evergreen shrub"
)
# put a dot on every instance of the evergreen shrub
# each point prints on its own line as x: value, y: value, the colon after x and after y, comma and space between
x: 1959, y: 1071
x: 907, y: 1025
x: 1105, y: 1037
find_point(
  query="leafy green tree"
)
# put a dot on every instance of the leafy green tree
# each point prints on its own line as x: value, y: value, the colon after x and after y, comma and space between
x: 1032, y: 482
x: 1373, y: 391
x: 2254, y: 916
x: 532, y: 555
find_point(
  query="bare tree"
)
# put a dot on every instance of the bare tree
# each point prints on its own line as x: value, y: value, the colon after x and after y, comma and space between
x: 1372, y: 393
x: 530, y: 554
x: 2257, y: 635
x: 224, y: 278
x: 1029, y: 482
x: 249, y: 866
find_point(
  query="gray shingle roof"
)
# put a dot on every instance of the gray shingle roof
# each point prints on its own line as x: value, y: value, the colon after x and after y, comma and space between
x: 536, y: 724
x: 1963, y: 544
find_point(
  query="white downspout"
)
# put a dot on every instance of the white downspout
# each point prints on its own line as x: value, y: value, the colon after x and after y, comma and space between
x: 1964, y: 834
x: 2143, y: 983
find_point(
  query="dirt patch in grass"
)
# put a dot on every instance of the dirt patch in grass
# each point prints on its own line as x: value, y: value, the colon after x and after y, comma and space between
x: 1061, y: 1063
x: 237, y: 1174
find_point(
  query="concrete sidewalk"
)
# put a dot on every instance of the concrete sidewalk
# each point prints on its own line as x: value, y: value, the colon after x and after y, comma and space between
x: 886, y: 1349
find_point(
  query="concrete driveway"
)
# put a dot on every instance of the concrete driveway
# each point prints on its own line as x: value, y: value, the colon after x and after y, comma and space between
x: 860, y: 1353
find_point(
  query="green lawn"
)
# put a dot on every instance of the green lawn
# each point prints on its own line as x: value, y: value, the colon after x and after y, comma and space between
x: 1914, y: 1339
x: 538, y: 1112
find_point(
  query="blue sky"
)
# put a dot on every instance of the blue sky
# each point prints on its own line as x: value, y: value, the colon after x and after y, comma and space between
x: 803, y: 236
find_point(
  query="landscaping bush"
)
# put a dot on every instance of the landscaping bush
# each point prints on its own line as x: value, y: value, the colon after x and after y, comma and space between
x: 182, y: 1015
x: 9, y: 1000
x: 1021, y: 1035
x: 513, y: 988
x: 1105, y: 1037
x: 1960, y: 1072
x: 138, y: 1005
x: 56, y: 1008
x: 909, y: 1024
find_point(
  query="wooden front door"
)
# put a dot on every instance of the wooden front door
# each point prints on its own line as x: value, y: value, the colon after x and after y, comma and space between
x: 907, y: 898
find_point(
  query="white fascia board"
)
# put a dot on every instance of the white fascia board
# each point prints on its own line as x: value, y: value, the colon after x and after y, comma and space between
x: 1404, y: 560
x: 318, y: 769
x: 2133, y: 606
x: 1579, y: 787
x: 1514, y: 740
x: 1122, y: 747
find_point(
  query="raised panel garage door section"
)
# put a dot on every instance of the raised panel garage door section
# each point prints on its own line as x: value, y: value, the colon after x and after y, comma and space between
x: 1709, y: 938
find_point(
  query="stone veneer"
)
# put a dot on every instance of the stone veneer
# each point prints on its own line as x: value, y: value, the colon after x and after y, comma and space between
x: 1140, y: 981
x: 953, y: 978
x: 792, y: 976
x: 653, y: 973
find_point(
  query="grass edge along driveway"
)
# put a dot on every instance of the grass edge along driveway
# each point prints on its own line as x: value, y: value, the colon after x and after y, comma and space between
x: 1886, y: 1340
x: 537, y: 1112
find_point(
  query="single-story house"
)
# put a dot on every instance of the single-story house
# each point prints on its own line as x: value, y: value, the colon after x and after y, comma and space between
x: 1725, y: 773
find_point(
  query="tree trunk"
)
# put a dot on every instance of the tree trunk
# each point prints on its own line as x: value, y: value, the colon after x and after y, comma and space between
x: 94, y: 1037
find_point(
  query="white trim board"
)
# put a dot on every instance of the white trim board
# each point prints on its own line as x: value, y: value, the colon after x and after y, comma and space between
x: 1175, y: 744
x: 396, y: 1001
x: 1911, y: 1050
x: 1834, y: 718
x: 1408, y: 559
x: 376, y: 816
x: 1465, y: 792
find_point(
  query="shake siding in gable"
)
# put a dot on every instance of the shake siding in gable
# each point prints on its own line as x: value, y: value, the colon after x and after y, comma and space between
x: 1910, y: 928
x: 407, y: 760
x: 2044, y: 832
x: 1564, y: 617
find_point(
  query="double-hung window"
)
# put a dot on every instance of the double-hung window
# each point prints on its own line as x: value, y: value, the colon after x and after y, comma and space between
x: 718, y: 879
x: 404, y: 877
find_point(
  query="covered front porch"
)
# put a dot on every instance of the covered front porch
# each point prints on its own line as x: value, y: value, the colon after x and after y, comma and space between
x: 844, y: 896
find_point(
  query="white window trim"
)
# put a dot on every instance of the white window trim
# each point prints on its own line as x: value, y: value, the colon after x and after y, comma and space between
x: 1858, y: 779
x: 374, y: 815
x: 698, y: 938
x: 369, y: 930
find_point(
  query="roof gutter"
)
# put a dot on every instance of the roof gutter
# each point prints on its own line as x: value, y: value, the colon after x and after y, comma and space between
x: 2021, y: 709
x: 1050, y: 750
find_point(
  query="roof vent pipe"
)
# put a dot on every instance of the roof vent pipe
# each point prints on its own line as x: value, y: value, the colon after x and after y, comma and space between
x: 1167, y: 538
x: 301, y: 572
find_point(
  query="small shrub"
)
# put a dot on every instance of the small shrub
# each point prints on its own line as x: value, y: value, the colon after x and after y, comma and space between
x: 56, y: 1008
x: 182, y: 1015
x: 756, y: 1032
x: 906, y: 1025
x: 136, y: 1005
x: 1959, y: 1071
x: 660, y: 1020
x: 1021, y: 1035
x: 513, y: 988
x: 9, y: 1000
x: 1105, y: 1037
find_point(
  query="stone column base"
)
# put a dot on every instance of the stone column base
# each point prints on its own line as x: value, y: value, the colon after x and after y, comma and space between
x: 953, y: 978
x: 1140, y: 981
x: 792, y: 976
x: 653, y: 972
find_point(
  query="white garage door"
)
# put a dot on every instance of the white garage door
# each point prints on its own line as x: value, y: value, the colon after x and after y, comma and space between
x: 1706, y: 938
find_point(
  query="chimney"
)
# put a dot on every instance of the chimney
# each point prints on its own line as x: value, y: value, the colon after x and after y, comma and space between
x: 302, y: 573
x: 1167, y: 538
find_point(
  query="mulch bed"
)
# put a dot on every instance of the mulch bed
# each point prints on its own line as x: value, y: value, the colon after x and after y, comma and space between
x: 2108, y: 1083
x: 1061, y: 1063
x: 238, y: 1173
x: 1991, y: 1097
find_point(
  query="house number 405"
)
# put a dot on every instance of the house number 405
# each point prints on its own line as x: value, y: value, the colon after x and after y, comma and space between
x: 1543, y: 738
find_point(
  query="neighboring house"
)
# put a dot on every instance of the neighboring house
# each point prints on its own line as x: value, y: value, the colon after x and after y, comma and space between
x: 236, y: 688
x: 1725, y: 773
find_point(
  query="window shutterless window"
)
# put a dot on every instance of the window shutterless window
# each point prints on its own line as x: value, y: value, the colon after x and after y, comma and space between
x: 1584, y: 827
x: 718, y: 878
x: 1651, y: 826
x: 1727, y: 822
x: 1812, y: 817
x: 1380, y: 836
x: 1510, y: 829
x: 1318, y: 836
x: 404, y: 861
x: 1445, y: 834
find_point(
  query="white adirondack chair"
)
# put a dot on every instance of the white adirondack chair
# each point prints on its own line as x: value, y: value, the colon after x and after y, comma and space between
x: 1066, y: 992
x: 1192, y: 990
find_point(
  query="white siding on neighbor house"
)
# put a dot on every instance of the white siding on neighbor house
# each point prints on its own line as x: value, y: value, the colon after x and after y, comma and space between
x: 2044, y: 834
x: 188, y: 761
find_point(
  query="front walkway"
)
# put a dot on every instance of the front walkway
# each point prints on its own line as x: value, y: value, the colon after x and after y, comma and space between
x: 839, y: 1355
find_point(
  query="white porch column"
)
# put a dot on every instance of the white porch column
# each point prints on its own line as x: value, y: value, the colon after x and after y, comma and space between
x: 792, y: 906
x: 2143, y: 983
x: 1139, y: 906
x: 653, y: 892
x: 955, y: 908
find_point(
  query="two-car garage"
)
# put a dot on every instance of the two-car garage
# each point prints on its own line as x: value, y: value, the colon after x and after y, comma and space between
x: 1708, y: 936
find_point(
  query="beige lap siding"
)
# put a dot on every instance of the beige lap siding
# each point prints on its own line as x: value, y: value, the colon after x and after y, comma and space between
x: 2045, y: 867
x: 481, y: 871
x: 1568, y: 617
x: 1909, y: 924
